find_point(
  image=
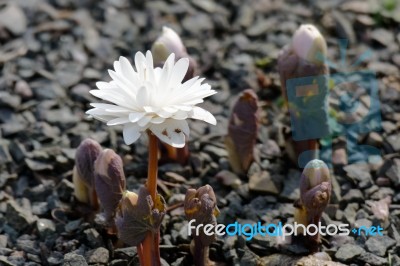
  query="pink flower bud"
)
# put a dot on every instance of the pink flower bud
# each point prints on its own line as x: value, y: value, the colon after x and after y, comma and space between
x: 169, y: 42
x: 308, y: 43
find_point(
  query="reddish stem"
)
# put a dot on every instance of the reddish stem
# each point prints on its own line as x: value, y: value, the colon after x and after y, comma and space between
x: 151, y: 253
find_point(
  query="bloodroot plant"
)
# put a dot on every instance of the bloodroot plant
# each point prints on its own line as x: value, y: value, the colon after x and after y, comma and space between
x: 315, y: 193
x: 201, y: 208
x: 243, y: 131
x: 154, y: 101
x: 303, y: 59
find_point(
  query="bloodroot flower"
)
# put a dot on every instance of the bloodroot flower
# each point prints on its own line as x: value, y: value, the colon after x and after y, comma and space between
x: 153, y: 99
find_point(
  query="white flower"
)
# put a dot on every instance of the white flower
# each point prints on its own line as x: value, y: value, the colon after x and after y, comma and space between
x: 308, y: 43
x: 151, y: 99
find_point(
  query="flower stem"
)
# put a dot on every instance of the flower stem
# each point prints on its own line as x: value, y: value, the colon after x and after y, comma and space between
x: 151, y: 254
x: 152, y: 166
x: 200, y: 253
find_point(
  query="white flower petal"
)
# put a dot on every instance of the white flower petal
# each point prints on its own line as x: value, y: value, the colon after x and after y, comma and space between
x: 167, y: 70
x: 169, y: 109
x: 101, y: 112
x: 102, y: 85
x: 180, y: 115
x: 113, y: 98
x: 128, y: 71
x: 171, y: 132
x: 179, y: 70
x: 201, y: 114
x: 140, y: 63
x: 122, y: 83
x: 149, y: 109
x: 118, y: 121
x: 186, y: 108
x: 150, y: 76
x: 144, y: 121
x: 157, y: 120
x: 135, y: 116
x: 131, y: 133
x: 142, y: 96
x: 164, y: 114
x: 111, y: 108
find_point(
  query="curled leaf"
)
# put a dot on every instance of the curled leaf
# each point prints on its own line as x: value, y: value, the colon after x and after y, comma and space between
x: 242, y: 131
x: 139, y: 214
x: 109, y: 181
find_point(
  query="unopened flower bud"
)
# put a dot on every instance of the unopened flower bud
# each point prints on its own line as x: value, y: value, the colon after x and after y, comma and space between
x: 109, y: 181
x: 169, y: 42
x: 304, y: 78
x: 315, y: 189
x: 86, y: 154
x: 309, y: 44
x: 242, y: 131
x: 201, y: 205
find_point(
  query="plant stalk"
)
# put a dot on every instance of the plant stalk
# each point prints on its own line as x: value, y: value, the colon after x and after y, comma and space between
x: 151, y: 254
x: 200, y: 253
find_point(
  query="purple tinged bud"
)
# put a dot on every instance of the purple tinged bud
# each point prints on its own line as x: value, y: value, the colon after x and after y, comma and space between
x: 242, y: 131
x: 315, y: 189
x: 201, y: 205
x: 86, y: 154
x: 109, y: 181
x: 303, y: 57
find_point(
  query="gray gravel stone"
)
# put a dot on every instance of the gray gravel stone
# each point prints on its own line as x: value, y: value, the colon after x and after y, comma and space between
x: 99, y: 255
x: 3, y: 241
x: 93, y: 237
x: 45, y: 227
x: 353, y: 195
x: 291, y: 186
x: 262, y: 183
x: 13, y: 19
x: 394, y: 172
x: 348, y: 252
x: 379, y: 245
x: 18, y: 217
x: 73, y: 259
x: 372, y: 259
